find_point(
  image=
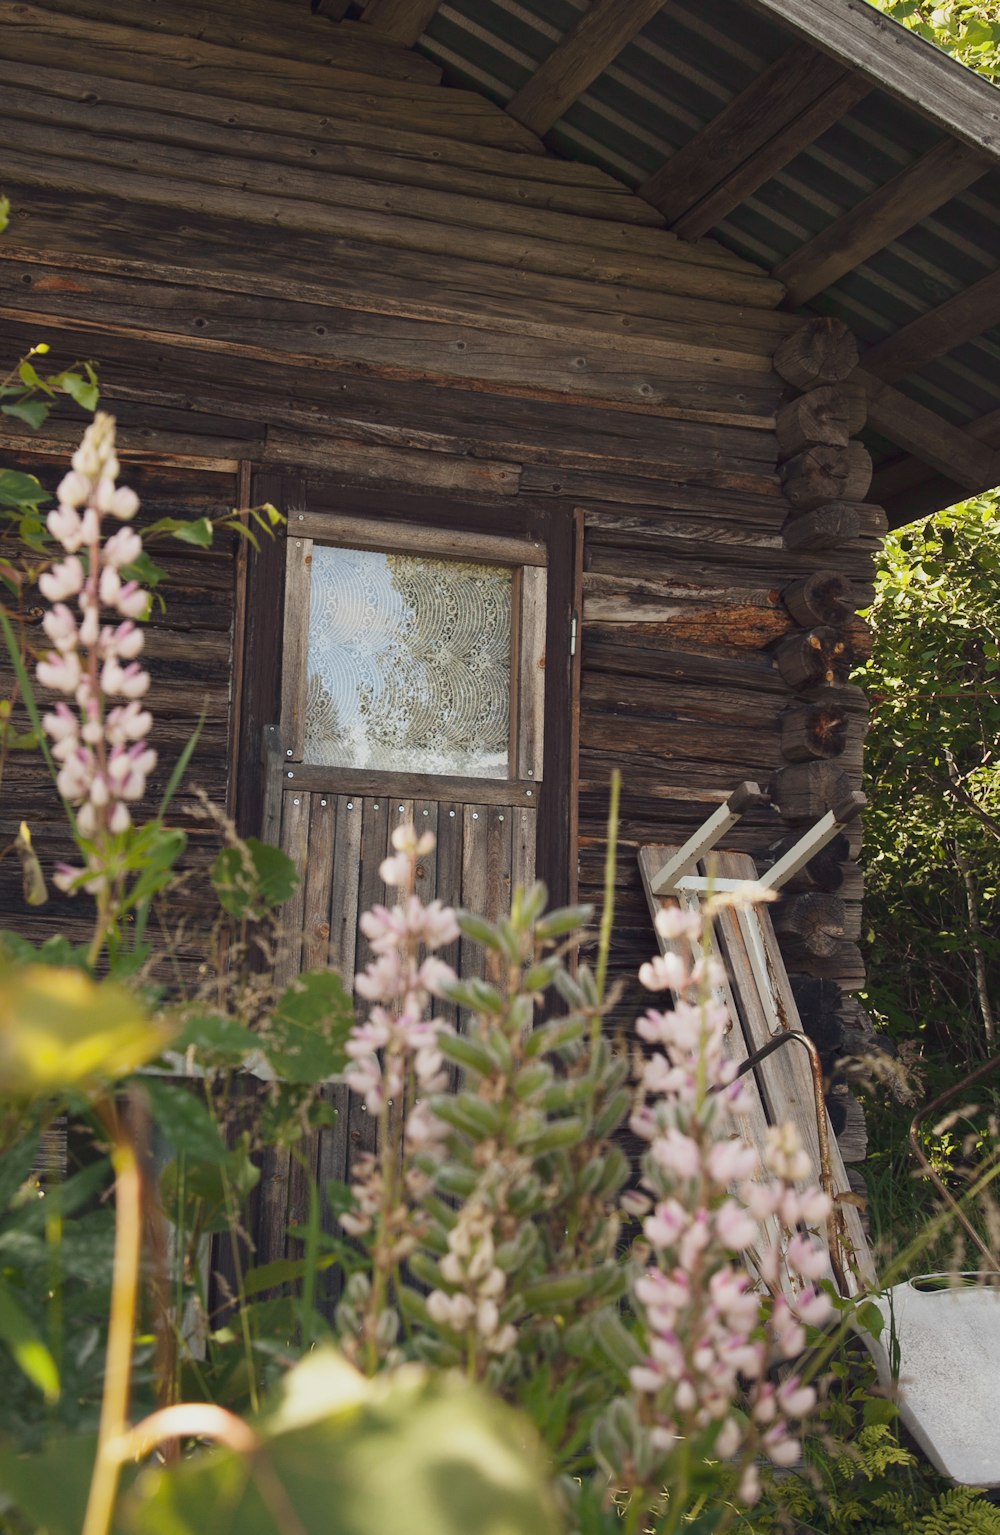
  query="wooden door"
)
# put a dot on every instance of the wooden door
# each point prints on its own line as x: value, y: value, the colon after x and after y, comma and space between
x: 427, y: 675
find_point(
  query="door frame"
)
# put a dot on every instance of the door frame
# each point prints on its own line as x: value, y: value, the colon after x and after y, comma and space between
x: 556, y: 524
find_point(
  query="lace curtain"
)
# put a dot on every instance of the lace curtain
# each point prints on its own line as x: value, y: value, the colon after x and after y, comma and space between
x: 409, y: 663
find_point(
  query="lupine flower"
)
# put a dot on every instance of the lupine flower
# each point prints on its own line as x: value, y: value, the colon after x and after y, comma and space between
x: 104, y: 765
x: 397, y: 1039
x: 713, y: 1200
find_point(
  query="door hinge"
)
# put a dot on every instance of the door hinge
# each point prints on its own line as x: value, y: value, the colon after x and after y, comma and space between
x: 572, y: 636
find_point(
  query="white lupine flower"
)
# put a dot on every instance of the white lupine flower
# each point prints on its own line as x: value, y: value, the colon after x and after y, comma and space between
x: 101, y: 751
x: 65, y: 524
x: 708, y: 1342
x: 64, y: 580
x: 73, y: 491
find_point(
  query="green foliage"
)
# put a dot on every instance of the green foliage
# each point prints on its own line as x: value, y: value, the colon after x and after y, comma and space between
x: 251, y: 879
x: 59, y: 1030
x: 933, y: 776
x: 863, y: 1480
x: 956, y: 1509
x: 967, y: 29
x: 407, y: 1452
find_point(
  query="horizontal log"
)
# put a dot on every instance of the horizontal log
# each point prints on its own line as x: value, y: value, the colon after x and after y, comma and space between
x: 265, y: 329
x: 617, y: 649
x: 805, y: 791
x: 835, y: 526
x: 214, y: 152
x: 392, y: 229
x: 822, y: 351
x: 125, y: 231
x: 818, y: 656
x: 831, y: 414
x: 346, y: 460
x: 823, y: 597
x: 819, y: 475
x: 29, y: 35
x: 743, y: 619
x: 295, y: 35
x: 611, y: 692
x: 317, y: 175
x: 389, y: 411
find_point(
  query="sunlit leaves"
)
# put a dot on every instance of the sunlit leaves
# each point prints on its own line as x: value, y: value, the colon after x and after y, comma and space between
x: 60, y: 1030
x: 403, y: 1453
x: 933, y: 772
x: 967, y: 29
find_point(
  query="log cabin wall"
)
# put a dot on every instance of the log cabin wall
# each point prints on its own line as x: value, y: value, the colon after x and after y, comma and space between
x: 289, y: 245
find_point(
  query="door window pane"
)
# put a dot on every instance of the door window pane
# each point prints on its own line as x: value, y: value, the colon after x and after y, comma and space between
x: 409, y: 663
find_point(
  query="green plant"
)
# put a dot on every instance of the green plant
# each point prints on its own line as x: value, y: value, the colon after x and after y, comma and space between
x: 502, y: 1287
x: 967, y: 29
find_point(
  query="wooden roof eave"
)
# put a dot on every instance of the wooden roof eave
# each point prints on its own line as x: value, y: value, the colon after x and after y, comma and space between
x: 896, y: 60
x: 838, y: 52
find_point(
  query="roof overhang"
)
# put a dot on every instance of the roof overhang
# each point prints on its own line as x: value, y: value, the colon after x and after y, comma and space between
x: 845, y: 155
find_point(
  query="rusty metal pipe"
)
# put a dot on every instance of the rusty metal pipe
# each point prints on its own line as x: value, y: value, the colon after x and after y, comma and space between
x: 834, y: 1230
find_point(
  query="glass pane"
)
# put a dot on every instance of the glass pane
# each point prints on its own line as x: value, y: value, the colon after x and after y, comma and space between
x: 408, y: 663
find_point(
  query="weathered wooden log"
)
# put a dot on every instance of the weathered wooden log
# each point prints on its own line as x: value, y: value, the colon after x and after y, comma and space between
x: 804, y: 791
x: 826, y: 527
x: 831, y: 414
x: 872, y: 521
x: 857, y: 632
x: 845, y: 965
x: 814, y: 731
x: 822, y: 474
x: 818, y: 1003
x: 838, y: 1113
x: 810, y: 925
x: 819, y: 656
x: 823, y: 351
x: 824, y: 597
x: 824, y: 871
x: 848, y: 696
x: 853, y: 1137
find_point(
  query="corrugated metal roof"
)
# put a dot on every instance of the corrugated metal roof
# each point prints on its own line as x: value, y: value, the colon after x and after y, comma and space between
x: 684, y: 67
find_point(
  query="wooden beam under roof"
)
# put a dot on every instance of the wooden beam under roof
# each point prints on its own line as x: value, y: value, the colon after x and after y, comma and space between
x: 951, y: 450
x: 950, y: 325
x: 908, y: 491
x: 781, y: 112
x: 584, y: 53
x: 888, y: 212
x: 402, y: 21
x: 898, y: 61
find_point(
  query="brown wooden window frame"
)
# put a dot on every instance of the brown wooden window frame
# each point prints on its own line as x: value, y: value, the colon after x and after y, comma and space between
x: 528, y: 561
x: 554, y: 524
